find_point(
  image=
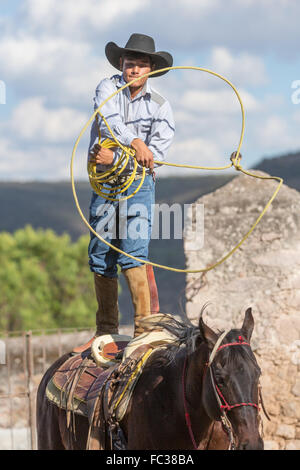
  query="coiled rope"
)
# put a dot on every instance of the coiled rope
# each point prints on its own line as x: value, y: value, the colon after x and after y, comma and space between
x: 98, y: 181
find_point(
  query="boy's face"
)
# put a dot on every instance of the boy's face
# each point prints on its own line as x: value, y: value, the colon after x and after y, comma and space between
x: 133, y: 67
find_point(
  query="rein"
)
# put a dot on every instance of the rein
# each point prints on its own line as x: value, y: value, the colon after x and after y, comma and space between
x: 186, y: 413
x: 224, y: 407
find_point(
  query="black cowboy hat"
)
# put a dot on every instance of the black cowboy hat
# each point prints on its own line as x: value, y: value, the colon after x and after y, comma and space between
x: 142, y: 44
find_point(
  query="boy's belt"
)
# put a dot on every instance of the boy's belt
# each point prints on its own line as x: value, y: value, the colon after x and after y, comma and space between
x: 123, y: 179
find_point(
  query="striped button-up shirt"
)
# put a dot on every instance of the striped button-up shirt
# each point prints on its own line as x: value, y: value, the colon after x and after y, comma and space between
x: 148, y: 116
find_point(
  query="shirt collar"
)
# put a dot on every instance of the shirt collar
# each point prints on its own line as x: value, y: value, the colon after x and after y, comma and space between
x: 145, y: 91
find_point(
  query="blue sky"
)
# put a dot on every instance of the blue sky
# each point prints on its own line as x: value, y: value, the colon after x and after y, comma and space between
x: 52, y: 58
x: 8, y: 7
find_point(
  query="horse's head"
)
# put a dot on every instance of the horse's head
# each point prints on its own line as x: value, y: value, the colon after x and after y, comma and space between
x: 230, y: 383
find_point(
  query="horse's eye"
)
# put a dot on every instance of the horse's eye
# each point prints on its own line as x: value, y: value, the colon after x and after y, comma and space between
x: 219, y: 378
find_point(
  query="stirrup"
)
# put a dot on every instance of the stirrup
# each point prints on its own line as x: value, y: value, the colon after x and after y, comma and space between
x: 105, y: 348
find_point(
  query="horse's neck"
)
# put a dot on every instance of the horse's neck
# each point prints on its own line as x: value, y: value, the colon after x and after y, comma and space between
x: 196, y: 367
x: 168, y: 402
x: 195, y: 370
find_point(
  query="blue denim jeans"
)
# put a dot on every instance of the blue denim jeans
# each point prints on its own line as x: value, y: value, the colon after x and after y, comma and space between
x: 126, y: 225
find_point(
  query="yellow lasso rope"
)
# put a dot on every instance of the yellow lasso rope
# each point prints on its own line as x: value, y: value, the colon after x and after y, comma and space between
x: 135, y: 373
x: 128, y: 152
x: 99, y: 182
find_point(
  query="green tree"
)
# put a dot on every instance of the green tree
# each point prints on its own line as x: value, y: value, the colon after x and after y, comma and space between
x: 45, y: 281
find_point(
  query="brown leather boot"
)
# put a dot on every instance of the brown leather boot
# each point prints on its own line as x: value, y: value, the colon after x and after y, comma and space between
x: 107, y: 315
x: 143, y: 292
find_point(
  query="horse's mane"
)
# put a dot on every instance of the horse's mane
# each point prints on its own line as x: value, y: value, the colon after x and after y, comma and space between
x: 187, y: 334
x: 184, y: 332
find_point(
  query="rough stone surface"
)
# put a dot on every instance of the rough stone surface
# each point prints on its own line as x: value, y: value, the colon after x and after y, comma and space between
x: 286, y: 430
x: 293, y: 445
x: 271, y: 445
x: 264, y: 273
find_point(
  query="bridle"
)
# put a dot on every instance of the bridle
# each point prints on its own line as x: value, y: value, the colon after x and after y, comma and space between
x: 223, y: 405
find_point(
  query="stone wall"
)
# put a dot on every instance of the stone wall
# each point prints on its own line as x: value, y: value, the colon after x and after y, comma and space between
x: 263, y: 274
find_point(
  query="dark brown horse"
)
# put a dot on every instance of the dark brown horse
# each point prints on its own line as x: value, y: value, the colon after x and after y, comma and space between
x: 201, y: 394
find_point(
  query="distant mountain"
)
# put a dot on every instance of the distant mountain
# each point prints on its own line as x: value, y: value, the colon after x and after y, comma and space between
x: 51, y: 205
x: 286, y: 166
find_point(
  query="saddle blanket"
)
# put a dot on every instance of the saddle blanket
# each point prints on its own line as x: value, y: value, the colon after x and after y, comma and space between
x: 77, y: 384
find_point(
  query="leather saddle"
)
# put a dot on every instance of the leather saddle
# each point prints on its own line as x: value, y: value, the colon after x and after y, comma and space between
x: 77, y: 384
x: 101, y: 391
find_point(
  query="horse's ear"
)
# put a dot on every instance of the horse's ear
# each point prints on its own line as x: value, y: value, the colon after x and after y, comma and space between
x: 209, y: 336
x: 248, y: 324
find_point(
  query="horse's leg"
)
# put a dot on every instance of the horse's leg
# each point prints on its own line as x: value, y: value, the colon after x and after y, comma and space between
x: 48, y: 429
x: 53, y: 433
x: 74, y: 437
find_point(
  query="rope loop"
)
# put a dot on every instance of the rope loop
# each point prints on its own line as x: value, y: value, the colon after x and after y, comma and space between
x: 236, y: 159
x: 99, y: 182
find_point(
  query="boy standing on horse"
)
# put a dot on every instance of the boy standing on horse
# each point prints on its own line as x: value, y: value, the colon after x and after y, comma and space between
x: 142, y: 119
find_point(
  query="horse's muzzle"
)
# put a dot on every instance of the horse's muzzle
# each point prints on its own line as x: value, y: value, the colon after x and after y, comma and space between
x: 256, y: 444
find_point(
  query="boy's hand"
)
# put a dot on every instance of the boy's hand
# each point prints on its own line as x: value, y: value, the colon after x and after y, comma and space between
x: 143, y: 155
x: 101, y: 155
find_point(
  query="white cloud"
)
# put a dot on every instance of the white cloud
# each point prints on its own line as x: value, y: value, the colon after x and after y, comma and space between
x: 276, y: 134
x: 296, y: 117
x: 194, y: 6
x: 31, y: 120
x: 242, y: 68
x: 197, y: 151
x: 68, y: 16
x: 43, y: 162
x: 265, y: 3
x: 64, y: 70
x: 274, y: 130
x: 183, y: 25
x: 222, y: 101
